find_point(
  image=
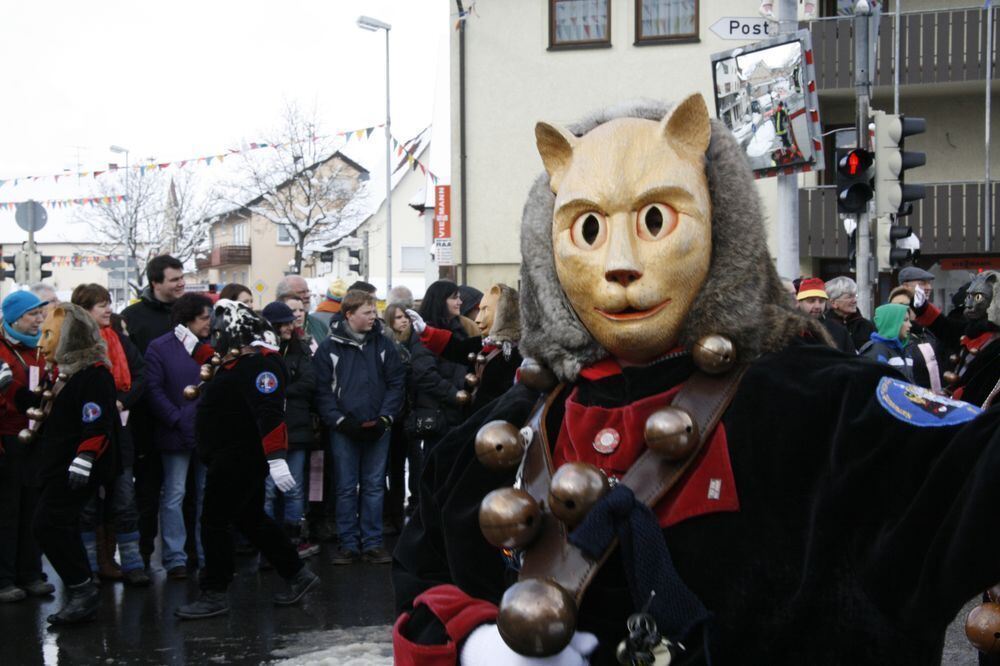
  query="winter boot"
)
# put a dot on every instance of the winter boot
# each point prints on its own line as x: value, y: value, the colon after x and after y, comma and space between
x: 302, y: 545
x: 39, y: 588
x: 133, y: 568
x: 298, y: 586
x: 209, y: 604
x: 107, y: 568
x: 81, y: 604
x: 11, y: 593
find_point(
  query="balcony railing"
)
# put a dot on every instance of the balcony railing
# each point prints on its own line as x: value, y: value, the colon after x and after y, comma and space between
x: 934, y: 47
x: 225, y: 255
x: 950, y: 220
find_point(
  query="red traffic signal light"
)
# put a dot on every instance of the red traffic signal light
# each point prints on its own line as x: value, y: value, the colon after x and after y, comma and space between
x: 854, y: 175
x: 855, y: 163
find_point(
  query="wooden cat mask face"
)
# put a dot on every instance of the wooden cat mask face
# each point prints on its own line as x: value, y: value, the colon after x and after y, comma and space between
x: 631, y: 229
x: 51, y: 333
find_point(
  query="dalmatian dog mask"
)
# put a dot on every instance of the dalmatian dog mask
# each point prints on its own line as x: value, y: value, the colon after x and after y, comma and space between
x: 235, y: 325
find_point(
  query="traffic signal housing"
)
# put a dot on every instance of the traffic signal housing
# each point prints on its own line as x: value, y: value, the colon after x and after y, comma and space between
x: 36, y: 270
x: 16, y: 267
x: 892, y: 195
x: 854, y: 176
x: 897, y: 245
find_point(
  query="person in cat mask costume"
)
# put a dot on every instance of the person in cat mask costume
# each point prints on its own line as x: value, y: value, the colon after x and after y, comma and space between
x: 821, y: 521
x: 497, y: 362
x: 77, y: 449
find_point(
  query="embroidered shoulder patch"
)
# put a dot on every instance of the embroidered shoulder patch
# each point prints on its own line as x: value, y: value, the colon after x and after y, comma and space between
x: 266, y: 382
x: 91, y: 412
x: 922, y: 408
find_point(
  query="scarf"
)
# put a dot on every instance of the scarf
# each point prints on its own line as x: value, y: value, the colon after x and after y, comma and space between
x: 119, y: 364
x: 25, y: 339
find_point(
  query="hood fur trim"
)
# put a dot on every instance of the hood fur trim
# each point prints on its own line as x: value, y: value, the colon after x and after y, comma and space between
x: 507, y: 318
x: 80, y: 342
x: 742, y: 297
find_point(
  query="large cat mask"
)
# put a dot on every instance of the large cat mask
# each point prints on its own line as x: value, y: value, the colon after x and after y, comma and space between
x: 717, y: 275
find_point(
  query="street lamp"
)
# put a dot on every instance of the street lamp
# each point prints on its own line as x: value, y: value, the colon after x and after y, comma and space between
x: 374, y: 25
x: 128, y: 268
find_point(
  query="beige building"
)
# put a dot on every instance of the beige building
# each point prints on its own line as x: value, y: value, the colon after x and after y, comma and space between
x: 247, y: 248
x: 526, y: 61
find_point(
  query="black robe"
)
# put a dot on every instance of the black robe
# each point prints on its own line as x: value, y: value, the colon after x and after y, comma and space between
x: 858, y: 538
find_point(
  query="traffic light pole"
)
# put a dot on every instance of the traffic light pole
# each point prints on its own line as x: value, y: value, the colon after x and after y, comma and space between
x: 788, y: 185
x: 862, y: 87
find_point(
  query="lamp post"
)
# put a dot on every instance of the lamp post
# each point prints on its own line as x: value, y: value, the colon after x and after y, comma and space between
x: 373, y: 25
x: 128, y: 260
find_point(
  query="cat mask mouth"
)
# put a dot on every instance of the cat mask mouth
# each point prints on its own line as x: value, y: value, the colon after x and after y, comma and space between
x: 632, y: 314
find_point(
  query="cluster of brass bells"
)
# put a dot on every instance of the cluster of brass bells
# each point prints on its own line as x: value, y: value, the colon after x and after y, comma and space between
x: 36, y: 414
x: 982, y: 626
x: 206, y: 373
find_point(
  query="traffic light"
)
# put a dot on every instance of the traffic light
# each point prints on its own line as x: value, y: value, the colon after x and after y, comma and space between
x: 357, y: 260
x: 8, y: 267
x: 892, y: 194
x: 19, y: 262
x: 854, y: 188
x: 36, y: 272
x: 897, y: 245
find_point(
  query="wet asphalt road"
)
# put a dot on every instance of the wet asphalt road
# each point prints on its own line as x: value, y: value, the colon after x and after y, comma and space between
x: 353, y: 609
x: 346, y: 623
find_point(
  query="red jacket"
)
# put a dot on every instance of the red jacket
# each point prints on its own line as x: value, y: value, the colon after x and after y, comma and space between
x: 19, y: 358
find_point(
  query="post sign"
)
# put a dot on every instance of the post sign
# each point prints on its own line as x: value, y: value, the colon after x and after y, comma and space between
x: 442, y: 225
x: 736, y: 27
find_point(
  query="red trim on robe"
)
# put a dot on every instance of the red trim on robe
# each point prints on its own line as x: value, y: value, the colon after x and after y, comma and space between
x: 435, y: 339
x: 203, y: 353
x: 276, y: 440
x: 96, y: 445
x: 458, y: 612
x: 978, y: 342
x: 931, y: 313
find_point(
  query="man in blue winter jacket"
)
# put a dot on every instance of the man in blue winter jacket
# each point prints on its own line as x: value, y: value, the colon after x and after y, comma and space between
x: 360, y: 384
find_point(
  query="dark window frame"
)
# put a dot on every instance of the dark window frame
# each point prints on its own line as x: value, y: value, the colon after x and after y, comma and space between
x: 685, y: 38
x: 573, y: 46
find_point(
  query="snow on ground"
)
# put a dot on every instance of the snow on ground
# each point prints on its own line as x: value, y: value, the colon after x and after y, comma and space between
x: 356, y: 646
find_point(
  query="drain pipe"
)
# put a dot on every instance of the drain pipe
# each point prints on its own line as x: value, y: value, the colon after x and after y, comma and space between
x: 463, y: 226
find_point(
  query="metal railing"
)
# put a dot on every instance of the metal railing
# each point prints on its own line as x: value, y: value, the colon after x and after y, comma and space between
x: 950, y: 220
x: 224, y: 255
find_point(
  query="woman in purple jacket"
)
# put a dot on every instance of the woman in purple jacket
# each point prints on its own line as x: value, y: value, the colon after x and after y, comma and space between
x: 173, y: 361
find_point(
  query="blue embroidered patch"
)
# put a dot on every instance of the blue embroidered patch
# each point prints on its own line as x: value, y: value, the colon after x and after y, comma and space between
x: 266, y: 382
x: 920, y: 407
x: 91, y: 412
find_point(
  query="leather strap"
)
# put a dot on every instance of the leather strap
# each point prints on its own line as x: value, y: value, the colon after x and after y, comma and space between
x: 551, y: 556
x: 481, y: 369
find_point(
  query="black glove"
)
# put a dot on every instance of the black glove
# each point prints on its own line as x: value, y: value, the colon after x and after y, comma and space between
x: 79, y: 471
x: 372, y: 433
x: 350, y: 427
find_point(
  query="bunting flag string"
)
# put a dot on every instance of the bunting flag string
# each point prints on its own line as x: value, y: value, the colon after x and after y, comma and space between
x: 361, y: 133
x: 411, y: 160
x: 65, y: 203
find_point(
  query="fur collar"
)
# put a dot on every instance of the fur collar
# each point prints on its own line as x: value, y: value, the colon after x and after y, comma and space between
x: 742, y: 297
x: 80, y: 342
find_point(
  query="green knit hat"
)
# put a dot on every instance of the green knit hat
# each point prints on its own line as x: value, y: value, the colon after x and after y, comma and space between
x: 889, y: 320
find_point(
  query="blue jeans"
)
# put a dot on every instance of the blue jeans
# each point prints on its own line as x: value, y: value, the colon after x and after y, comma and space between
x: 294, y: 499
x: 172, y: 530
x: 359, y: 469
x: 124, y: 514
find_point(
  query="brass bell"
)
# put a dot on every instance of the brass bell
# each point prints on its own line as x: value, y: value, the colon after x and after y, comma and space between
x: 206, y: 373
x: 25, y: 436
x: 574, y: 490
x: 471, y: 358
x: 509, y: 518
x: 234, y: 352
x: 714, y: 354
x: 480, y: 359
x: 38, y: 389
x: 47, y: 395
x: 537, y: 618
x: 191, y: 392
x: 950, y: 377
x: 499, y: 446
x: 471, y: 380
x: 993, y: 594
x: 982, y: 627
x: 216, y: 360
x: 672, y: 433
x: 954, y: 359
x: 35, y: 414
x: 462, y: 398
x: 537, y: 377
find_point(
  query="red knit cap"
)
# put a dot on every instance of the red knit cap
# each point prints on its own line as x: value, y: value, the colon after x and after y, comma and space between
x: 810, y: 288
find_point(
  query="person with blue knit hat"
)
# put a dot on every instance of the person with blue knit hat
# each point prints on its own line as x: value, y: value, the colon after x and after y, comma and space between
x: 20, y: 361
x: 888, y: 342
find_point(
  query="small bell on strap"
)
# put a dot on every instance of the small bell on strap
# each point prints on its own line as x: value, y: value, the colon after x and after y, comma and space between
x: 38, y: 390
x: 574, y: 489
x: 499, y: 446
x: 480, y: 359
x: 537, y: 617
x: 510, y: 518
x: 537, y: 377
x: 206, y: 373
x: 714, y: 354
x: 35, y: 414
x: 192, y: 392
x: 462, y: 398
x: 982, y: 627
x: 644, y: 646
x: 471, y: 380
x: 471, y: 358
x: 47, y: 395
x: 672, y: 433
x: 950, y: 378
x: 234, y: 352
x: 216, y: 360
x: 25, y: 436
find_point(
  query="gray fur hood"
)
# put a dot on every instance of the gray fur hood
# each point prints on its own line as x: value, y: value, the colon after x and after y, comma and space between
x: 742, y: 297
x: 80, y: 342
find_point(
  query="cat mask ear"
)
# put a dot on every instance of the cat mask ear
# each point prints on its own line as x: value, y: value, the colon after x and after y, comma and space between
x: 555, y: 145
x: 688, y: 127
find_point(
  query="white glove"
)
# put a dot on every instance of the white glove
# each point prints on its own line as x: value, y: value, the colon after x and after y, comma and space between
x: 419, y: 325
x: 919, y: 297
x: 79, y: 471
x: 281, y: 475
x: 6, y: 375
x: 187, y: 338
x: 485, y: 647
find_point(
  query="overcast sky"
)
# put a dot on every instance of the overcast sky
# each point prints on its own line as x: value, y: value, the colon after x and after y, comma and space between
x: 185, y: 78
